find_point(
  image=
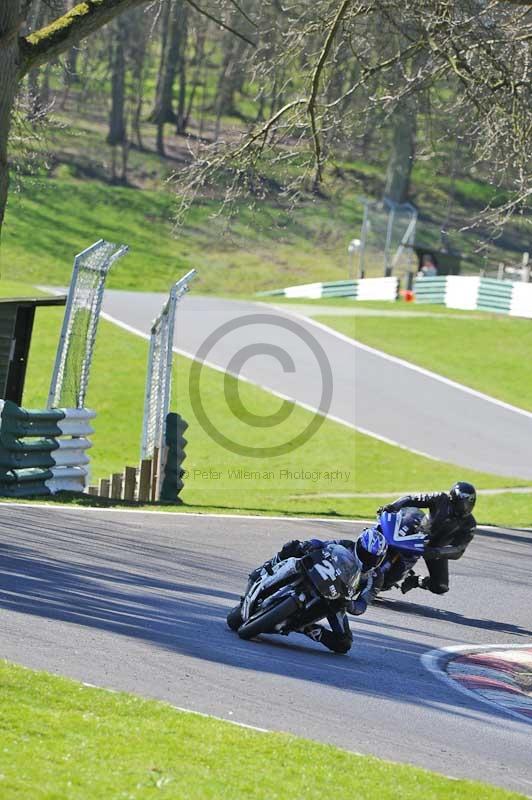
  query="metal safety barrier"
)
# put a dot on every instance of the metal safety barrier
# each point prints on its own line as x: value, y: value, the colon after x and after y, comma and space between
x: 475, y: 293
x: 362, y: 289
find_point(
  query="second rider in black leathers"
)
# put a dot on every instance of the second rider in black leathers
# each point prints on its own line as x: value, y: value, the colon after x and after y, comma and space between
x: 452, y: 527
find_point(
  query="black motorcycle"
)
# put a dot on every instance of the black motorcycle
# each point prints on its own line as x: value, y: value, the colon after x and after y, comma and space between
x: 299, y: 592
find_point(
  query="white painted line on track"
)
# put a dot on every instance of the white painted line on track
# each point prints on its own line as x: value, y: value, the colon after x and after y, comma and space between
x: 178, y: 514
x: 281, y: 395
x: 183, y: 710
x: 436, y: 660
x: 409, y: 365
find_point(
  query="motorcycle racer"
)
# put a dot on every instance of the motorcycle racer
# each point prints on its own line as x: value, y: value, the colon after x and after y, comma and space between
x: 369, y: 550
x: 452, y: 528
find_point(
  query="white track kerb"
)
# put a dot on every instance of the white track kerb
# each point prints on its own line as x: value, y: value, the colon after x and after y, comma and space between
x: 436, y: 661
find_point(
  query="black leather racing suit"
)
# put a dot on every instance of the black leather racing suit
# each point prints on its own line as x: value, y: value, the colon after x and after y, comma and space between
x: 339, y: 638
x: 449, y: 536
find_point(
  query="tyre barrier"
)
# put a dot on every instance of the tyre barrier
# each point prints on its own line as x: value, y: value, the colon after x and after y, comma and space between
x: 43, y: 452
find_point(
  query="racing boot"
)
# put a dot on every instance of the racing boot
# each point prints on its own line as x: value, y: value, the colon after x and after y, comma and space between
x: 410, y: 582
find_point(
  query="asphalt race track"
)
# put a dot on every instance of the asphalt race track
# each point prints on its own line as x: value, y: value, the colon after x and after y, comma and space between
x: 137, y: 601
x: 369, y: 391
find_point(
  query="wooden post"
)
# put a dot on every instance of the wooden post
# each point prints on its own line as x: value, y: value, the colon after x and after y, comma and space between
x: 104, y: 487
x: 154, y: 475
x: 163, y: 458
x: 144, y: 481
x: 116, y: 485
x: 93, y: 490
x: 130, y: 479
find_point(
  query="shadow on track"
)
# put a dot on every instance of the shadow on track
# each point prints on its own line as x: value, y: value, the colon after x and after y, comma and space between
x: 452, y: 616
x: 508, y: 536
x: 113, y: 584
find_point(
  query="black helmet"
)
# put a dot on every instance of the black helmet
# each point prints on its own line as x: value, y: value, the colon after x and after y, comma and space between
x: 463, y: 498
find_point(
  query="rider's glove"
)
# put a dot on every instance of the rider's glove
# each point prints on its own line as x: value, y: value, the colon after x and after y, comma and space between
x: 382, y: 509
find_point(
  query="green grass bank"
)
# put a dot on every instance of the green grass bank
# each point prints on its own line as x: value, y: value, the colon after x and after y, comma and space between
x: 61, y: 739
x: 258, y: 247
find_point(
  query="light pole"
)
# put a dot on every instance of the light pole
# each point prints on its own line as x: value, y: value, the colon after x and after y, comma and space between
x: 353, y: 247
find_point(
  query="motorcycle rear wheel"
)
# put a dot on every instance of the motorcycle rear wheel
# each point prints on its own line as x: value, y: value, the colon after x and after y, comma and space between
x: 265, y: 621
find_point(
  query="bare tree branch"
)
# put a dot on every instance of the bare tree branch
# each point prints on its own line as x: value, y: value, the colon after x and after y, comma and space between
x: 68, y: 30
x: 221, y: 24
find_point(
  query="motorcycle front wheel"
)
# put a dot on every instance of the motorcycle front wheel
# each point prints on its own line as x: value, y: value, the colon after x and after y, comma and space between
x: 265, y: 621
x: 234, y: 618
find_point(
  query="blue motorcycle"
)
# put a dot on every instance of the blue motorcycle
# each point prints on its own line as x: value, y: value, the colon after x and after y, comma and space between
x: 407, y: 535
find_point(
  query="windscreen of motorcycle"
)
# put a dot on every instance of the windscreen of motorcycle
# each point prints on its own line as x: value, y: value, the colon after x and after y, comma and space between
x: 336, y: 574
x: 411, y: 523
x: 405, y: 530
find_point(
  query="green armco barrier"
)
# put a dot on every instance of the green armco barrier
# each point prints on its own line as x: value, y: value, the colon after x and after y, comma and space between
x: 348, y: 282
x: 346, y: 288
x: 430, y: 290
x: 341, y: 291
x: 476, y: 293
x: 494, y: 295
x: 173, y: 472
x: 385, y: 288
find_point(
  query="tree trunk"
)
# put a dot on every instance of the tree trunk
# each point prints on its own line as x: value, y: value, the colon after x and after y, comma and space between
x: 198, y: 60
x: 397, y: 184
x: 9, y: 80
x: 137, y: 55
x: 117, y: 125
x: 231, y: 79
x: 182, y: 116
x: 171, y: 57
x: 70, y: 73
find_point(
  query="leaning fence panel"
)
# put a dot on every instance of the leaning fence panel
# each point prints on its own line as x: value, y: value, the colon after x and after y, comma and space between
x: 76, y: 345
x: 159, y: 373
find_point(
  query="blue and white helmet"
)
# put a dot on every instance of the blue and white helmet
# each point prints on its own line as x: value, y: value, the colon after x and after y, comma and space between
x: 370, y: 549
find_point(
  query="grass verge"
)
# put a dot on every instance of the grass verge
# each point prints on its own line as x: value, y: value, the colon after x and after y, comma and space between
x: 490, y: 353
x: 61, y: 739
